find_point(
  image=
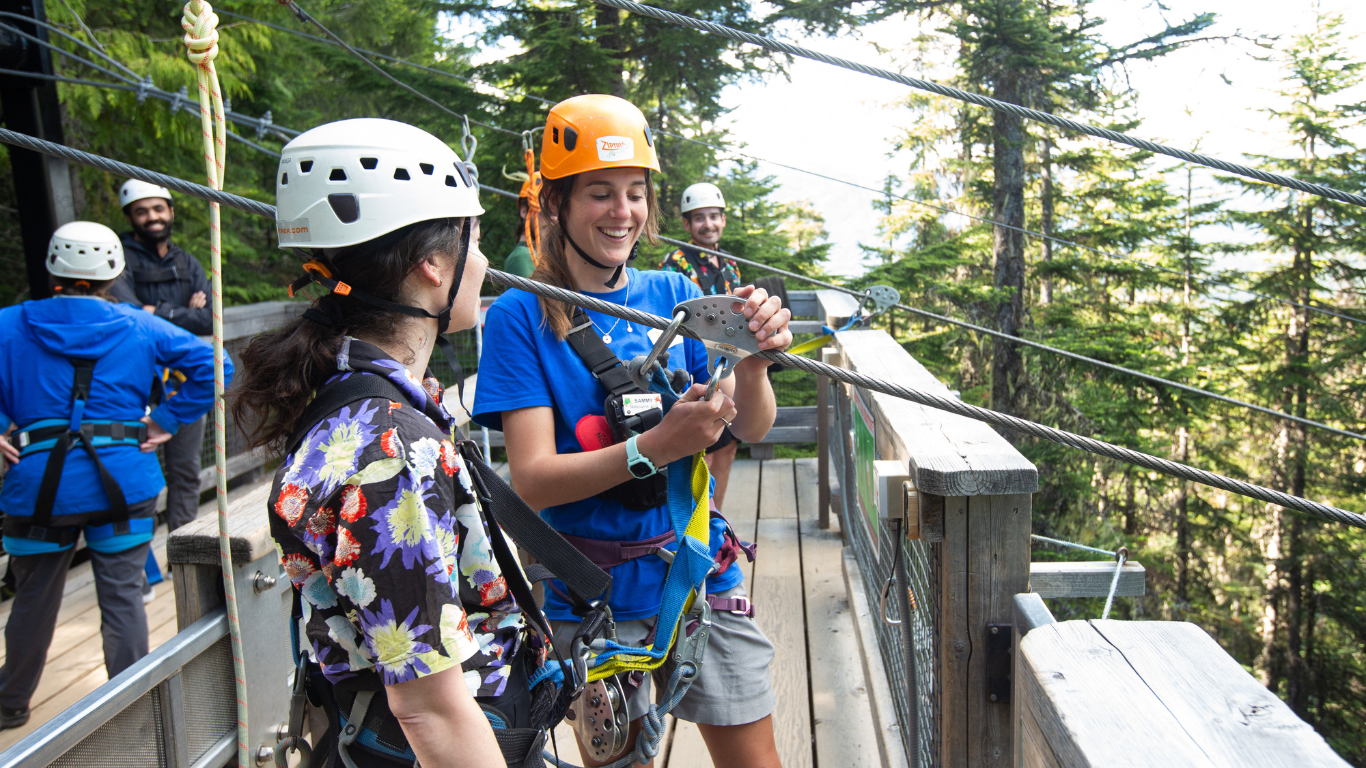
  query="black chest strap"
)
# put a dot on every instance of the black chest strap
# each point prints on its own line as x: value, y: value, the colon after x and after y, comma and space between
x: 161, y: 275
x: 56, y: 460
x: 602, y: 362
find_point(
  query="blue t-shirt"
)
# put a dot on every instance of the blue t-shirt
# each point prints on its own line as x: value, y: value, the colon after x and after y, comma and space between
x: 525, y: 366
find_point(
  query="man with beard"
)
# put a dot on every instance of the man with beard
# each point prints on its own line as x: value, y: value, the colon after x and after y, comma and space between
x: 170, y: 283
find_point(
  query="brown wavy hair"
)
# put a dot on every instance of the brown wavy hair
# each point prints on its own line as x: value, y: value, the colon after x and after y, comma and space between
x: 553, y: 267
x: 281, y: 370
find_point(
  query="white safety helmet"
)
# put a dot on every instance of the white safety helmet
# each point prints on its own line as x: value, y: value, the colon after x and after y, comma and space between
x: 85, y: 250
x: 703, y: 195
x: 134, y: 190
x: 351, y: 181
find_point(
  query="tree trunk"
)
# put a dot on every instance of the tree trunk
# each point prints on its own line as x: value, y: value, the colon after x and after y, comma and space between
x: 1046, y: 219
x: 608, y: 19
x: 1183, y: 531
x: 1007, y: 365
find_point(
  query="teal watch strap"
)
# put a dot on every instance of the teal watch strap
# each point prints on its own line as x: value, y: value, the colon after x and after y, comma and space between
x: 640, y: 466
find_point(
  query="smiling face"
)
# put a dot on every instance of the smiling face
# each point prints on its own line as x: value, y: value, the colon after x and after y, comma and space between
x: 706, y: 226
x: 607, y: 212
x: 151, y: 218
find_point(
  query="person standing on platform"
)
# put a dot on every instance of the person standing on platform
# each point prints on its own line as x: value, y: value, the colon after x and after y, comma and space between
x: 704, y: 218
x: 80, y: 361
x: 168, y: 282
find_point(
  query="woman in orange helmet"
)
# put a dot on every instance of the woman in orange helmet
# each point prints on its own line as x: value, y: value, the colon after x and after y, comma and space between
x: 602, y: 493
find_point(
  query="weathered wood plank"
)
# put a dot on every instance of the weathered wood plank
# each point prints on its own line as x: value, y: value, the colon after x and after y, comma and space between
x: 687, y: 749
x: 836, y: 306
x: 248, y: 528
x: 1085, y: 579
x: 777, y: 592
x: 1230, y: 715
x: 1092, y: 709
x: 883, y: 708
x: 955, y: 639
x: 841, y: 706
x: 998, y: 569
x: 778, y: 497
x: 951, y: 455
x: 742, y: 506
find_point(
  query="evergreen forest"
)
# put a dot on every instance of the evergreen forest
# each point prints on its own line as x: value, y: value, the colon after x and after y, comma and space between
x: 1091, y: 247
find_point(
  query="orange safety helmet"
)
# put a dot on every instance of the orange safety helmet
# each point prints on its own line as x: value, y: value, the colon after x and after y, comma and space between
x: 595, y: 131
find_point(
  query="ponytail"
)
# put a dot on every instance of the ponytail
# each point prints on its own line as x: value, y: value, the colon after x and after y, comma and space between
x: 282, y: 369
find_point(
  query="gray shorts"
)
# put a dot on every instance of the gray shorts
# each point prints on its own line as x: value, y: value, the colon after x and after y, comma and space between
x: 734, y: 687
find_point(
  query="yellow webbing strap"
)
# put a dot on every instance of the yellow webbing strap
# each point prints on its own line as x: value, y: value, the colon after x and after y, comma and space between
x: 699, y: 529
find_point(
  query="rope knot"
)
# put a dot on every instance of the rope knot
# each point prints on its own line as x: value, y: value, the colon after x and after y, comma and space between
x: 201, y: 31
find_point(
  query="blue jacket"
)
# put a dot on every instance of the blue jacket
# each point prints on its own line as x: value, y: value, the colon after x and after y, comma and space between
x: 131, y: 346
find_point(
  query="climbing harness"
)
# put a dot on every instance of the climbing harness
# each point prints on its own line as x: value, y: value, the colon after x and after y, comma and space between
x: 880, y: 297
x: 56, y: 437
x: 201, y: 45
x: 362, y: 722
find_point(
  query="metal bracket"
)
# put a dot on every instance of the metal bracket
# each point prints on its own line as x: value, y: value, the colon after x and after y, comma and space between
x: 719, y: 323
x: 999, y: 650
x: 884, y: 297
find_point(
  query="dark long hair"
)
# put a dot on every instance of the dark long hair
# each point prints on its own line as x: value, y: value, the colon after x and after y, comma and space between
x: 553, y: 267
x: 281, y: 369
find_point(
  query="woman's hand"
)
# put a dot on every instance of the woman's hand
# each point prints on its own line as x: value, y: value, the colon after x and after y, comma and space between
x: 690, y: 426
x: 7, y: 449
x: 768, y: 318
x: 155, y: 435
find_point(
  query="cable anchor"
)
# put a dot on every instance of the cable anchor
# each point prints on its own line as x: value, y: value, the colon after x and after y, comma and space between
x: 262, y: 123
x: 179, y: 99
x: 142, y: 87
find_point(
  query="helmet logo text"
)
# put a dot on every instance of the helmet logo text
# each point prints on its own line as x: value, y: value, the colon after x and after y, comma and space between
x: 616, y: 148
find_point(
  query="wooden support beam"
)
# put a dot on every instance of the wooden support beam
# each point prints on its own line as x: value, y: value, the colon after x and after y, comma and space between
x: 1085, y: 579
x: 1151, y: 694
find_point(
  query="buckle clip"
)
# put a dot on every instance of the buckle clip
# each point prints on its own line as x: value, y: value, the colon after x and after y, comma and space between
x: 744, y: 604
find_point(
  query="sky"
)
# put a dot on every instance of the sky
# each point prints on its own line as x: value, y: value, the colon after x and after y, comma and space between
x: 1207, y: 95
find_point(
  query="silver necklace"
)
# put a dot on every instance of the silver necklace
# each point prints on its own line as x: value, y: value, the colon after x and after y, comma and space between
x: 607, y: 336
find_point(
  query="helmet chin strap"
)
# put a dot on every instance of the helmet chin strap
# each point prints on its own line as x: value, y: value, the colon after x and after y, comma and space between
x: 316, y: 272
x: 616, y: 276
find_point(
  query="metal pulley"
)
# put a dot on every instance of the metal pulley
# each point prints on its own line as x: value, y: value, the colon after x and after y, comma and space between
x: 598, y: 716
x: 719, y: 322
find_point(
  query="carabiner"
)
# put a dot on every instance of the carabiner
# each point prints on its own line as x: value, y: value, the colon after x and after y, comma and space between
x: 468, y: 142
x: 642, y: 367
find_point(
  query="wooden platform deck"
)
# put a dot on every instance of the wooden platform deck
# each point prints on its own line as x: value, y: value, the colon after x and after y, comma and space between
x: 75, y: 660
x: 825, y: 714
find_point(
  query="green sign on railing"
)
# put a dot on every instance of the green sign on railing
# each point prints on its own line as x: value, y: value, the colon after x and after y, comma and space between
x: 865, y: 475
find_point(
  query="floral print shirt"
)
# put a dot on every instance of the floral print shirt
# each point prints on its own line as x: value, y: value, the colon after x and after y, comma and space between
x: 698, y: 268
x: 376, y: 523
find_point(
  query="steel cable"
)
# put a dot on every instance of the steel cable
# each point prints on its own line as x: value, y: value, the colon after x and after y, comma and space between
x: 988, y: 102
x: 1014, y: 339
x: 475, y: 84
x: 305, y: 17
x: 262, y: 209
x: 1061, y: 437
x: 957, y: 407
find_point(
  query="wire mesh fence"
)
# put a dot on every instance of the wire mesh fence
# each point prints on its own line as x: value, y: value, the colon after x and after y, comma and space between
x: 909, y: 652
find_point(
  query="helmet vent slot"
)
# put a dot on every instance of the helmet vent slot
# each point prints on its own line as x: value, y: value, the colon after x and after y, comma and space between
x: 401, y: 174
x: 284, y: 179
x: 338, y: 174
x: 111, y: 264
x: 427, y: 168
x: 369, y: 163
x: 555, y: 134
x: 305, y: 166
x: 649, y: 139
x: 346, y: 206
x: 450, y: 181
x: 571, y: 138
